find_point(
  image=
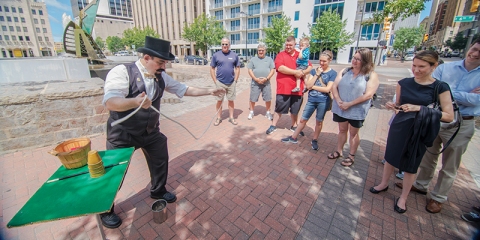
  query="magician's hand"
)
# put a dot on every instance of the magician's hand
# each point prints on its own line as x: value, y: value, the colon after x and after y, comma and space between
x: 219, y: 92
x: 140, y: 98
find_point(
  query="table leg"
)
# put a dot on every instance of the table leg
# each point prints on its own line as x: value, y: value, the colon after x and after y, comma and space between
x: 100, y: 226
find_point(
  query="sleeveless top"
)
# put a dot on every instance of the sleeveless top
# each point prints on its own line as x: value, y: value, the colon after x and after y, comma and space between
x: 349, y: 89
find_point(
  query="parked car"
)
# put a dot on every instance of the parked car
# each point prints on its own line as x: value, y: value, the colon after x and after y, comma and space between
x: 409, y: 57
x: 175, y: 60
x: 122, y: 53
x: 455, y: 54
x: 196, y: 60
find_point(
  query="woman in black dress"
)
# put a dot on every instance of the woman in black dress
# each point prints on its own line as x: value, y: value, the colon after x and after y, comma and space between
x: 413, y: 94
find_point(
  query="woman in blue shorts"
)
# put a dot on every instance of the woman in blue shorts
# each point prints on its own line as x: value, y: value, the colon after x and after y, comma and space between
x: 319, y: 85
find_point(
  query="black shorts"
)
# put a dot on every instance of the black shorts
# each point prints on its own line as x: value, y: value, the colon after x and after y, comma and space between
x: 284, y: 103
x: 354, y: 123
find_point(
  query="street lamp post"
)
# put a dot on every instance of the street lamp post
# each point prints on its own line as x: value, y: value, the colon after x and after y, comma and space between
x: 246, y: 34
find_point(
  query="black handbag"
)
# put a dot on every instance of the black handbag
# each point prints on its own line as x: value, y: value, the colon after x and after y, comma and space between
x: 457, y: 116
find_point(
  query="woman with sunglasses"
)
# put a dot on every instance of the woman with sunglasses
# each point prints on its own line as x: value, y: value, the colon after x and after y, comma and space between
x: 319, y: 85
x: 352, y: 92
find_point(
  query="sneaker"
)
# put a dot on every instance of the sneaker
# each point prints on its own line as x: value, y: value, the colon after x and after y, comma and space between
x: 271, y: 129
x: 471, y: 217
x: 314, y: 145
x: 296, y: 89
x: 295, y: 128
x: 289, y: 139
x: 269, y: 116
x: 250, y: 116
x: 399, y: 175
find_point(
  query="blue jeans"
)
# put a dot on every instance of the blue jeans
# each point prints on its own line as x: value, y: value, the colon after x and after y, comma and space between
x: 310, y: 107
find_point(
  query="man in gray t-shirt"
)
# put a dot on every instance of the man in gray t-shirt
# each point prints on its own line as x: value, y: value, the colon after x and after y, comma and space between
x: 225, y: 69
x: 261, y: 69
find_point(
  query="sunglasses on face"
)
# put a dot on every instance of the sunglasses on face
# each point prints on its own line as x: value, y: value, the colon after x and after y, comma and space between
x: 224, y: 44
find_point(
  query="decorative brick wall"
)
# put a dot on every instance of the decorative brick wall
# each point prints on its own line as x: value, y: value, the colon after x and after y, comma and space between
x: 40, y: 114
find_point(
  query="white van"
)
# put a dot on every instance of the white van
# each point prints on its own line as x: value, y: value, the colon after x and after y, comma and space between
x: 122, y: 53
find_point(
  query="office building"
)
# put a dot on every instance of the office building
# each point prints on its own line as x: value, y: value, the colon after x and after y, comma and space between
x: 25, y: 29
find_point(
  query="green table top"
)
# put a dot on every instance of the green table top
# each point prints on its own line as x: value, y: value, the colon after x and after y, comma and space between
x: 77, y: 196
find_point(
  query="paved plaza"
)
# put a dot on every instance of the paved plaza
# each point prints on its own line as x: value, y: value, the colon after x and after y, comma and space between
x: 236, y: 182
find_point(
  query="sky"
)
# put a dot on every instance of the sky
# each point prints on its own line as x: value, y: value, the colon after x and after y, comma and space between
x: 426, y: 11
x: 55, y: 9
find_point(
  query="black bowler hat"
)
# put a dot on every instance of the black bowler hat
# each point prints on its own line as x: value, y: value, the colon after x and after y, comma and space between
x: 157, y: 48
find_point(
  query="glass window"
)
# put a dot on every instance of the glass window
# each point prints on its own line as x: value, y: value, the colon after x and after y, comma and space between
x: 1, y: 37
x: 336, y: 7
x: 40, y: 12
x: 46, y: 39
x: 14, y: 38
x: 7, y: 10
x: 381, y: 5
x: 2, y: 18
x: 37, y: 30
x: 4, y: 28
x: 297, y: 16
x: 253, y: 23
x: 253, y: 38
x: 219, y: 15
x: 35, y: 21
x: 14, y: 10
x: 15, y: 19
x: 295, y: 32
x: 235, y: 25
x: 9, y: 19
x: 7, y: 38
x: 235, y: 12
x: 25, y: 29
x: 34, y: 12
x: 20, y: 37
x: 254, y: 8
x: 27, y: 38
x: 19, y: 29
x: 42, y: 21
x: 44, y: 30
x: 22, y: 19
x: 20, y: 10
x: 374, y: 7
x: 39, y: 38
x: 235, y: 38
x: 297, y: 2
x: 11, y: 28
x: 1, y: 8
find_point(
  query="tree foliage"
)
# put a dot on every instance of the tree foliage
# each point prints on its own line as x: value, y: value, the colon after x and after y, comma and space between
x: 204, y: 31
x: 329, y: 33
x: 398, y: 9
x: 277, y: 33
x: 100, y: 43
x: 136, y: 36
x: 114, y: 44
x: 459, y: 42
x: 406, y: 38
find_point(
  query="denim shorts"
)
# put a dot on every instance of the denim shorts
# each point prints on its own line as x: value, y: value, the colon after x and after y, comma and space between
x: 310, y: 107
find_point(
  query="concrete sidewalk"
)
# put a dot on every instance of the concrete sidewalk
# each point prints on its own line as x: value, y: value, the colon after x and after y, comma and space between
x: 236, y: 182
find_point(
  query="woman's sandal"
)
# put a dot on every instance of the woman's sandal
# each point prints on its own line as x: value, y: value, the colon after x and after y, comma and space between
x: 217, y: 122
x: 334, y: 155
x: 232, y: 121
x: 348, y: 161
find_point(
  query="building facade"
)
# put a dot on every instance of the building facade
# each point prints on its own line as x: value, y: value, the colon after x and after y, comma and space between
x: 444, y: 27
x: 168, y: 18
x: 25, y: 29
x: 113, y: 17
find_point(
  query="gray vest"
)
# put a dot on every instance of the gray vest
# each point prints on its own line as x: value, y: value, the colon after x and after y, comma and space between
x: 145, y: 120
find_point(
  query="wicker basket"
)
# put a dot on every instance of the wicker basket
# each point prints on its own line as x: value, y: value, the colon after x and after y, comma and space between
x: 73, y: 153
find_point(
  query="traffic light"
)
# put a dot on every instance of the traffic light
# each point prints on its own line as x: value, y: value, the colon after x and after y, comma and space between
x: 425, y: 37
x: 387, y: 36
x: 386, y: 24
x: 474, y: 6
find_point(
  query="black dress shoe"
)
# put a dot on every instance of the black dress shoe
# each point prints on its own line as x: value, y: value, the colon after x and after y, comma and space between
x: 168, y: 196
x: 375, y: 191
x: 398, y: 209
x: 110, y: 220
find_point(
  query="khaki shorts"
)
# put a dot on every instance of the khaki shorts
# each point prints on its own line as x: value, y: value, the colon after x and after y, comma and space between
x: 229, y: 88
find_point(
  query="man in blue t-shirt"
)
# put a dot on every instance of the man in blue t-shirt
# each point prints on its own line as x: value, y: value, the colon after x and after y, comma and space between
x: 225, y: 71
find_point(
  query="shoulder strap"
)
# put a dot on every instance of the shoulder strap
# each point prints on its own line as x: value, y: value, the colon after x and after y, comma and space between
x: 346, y: 70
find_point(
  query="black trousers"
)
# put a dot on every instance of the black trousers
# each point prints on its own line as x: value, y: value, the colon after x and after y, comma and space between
x: 154, y: 147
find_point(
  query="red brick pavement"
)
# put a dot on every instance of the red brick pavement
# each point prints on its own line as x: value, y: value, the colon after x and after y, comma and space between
x: 239, y: 183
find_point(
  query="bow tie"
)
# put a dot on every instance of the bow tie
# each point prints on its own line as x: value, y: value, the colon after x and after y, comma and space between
x: 148, y: 75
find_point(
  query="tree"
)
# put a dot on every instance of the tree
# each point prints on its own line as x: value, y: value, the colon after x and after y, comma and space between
x: 396, y: 9
x: 277, y: 33
x: 204, y: 31
x: 406, y: 38
x: 136, y: 36
x: 329, y: 33
x: 114, y: 44
x: 459, y: 42
x: 100, y: 43
x: 449, y: 43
